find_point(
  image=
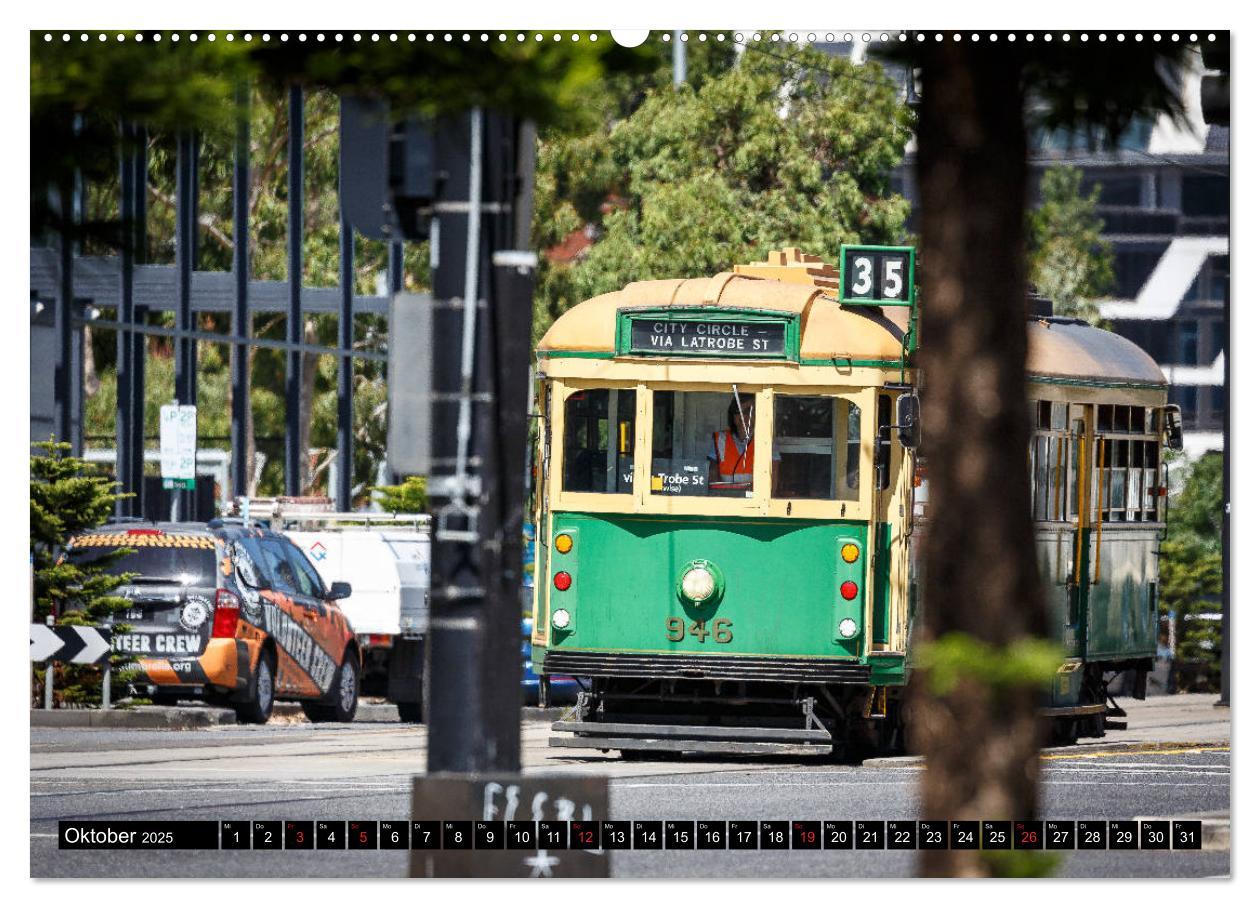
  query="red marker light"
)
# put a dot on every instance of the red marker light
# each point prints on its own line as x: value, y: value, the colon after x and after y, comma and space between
x: 849, y: 589
x: 563, y: 581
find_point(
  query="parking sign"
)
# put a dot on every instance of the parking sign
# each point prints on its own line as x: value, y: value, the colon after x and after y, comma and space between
x: 179, y: 446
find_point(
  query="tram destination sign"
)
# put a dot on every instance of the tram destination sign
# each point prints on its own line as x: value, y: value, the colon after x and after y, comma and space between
x: 656, y: 336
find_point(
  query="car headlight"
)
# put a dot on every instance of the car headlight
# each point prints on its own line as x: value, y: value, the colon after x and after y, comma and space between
x: 561, y: 619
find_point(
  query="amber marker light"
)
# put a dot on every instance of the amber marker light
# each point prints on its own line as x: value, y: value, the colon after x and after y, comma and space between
x: 564, y: 543
x: 849, y: 553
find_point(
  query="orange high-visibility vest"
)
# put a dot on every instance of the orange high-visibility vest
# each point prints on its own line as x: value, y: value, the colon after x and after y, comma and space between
x: 733, y: 467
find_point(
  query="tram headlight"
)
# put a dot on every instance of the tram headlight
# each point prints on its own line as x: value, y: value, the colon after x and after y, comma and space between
x: 848, y: 628
x: 561, y: 619
x: 698, y: 583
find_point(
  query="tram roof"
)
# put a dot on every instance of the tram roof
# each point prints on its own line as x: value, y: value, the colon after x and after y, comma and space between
x: 1070, y: 349
x: 828, y: 331
x: 803, y: 285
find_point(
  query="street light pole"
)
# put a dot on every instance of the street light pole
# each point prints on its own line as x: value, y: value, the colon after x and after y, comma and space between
x: 482, y: 292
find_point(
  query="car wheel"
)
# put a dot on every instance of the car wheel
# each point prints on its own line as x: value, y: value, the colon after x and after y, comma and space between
x: 262, y: 693
x: 342, y: 700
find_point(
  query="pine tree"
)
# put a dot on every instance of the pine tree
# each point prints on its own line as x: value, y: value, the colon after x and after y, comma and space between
x: 69, y: 496
x: 411, y: 496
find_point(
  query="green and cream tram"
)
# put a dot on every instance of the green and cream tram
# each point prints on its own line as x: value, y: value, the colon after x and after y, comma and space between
x: 726, y: 512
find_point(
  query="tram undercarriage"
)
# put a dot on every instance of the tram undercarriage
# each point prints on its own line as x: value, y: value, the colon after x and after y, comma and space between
x: 644, y: 718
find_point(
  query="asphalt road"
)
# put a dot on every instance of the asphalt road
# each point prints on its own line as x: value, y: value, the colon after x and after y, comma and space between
x: 1174, y: 765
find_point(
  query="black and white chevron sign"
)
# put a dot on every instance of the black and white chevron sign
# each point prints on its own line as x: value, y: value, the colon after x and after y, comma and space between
x: 69, y: 644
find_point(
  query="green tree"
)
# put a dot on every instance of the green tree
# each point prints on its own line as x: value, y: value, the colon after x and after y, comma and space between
x: 1191, y: 570
x: 69, y: 496
x: 1069, y: 262
x: 743, y: 159
x: 411, y: 496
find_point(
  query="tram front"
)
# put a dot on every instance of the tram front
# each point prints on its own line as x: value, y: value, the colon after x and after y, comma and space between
x: 722, y: 507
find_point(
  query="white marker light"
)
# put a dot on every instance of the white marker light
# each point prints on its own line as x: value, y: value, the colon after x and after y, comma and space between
x: 560, y: 619
x: 698, y: 584
x: 848, y: 628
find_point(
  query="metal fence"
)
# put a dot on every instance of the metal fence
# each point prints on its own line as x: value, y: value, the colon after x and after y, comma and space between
x: 70, y: 290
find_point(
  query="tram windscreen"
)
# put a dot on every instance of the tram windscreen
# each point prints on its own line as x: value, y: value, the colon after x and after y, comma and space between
x: 808, y: 433
x: 599, y: 450
x: 702, y: 443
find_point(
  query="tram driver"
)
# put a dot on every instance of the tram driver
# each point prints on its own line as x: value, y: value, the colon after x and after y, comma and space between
x: 731, y: 458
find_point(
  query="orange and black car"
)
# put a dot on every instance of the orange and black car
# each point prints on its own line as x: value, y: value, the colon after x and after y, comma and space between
x: 229, y: 613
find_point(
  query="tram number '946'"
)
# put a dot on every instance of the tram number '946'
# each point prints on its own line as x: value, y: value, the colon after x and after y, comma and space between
x: 676, y: 630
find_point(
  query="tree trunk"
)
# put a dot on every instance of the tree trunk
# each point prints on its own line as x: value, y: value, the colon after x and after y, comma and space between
x: 980, y: 576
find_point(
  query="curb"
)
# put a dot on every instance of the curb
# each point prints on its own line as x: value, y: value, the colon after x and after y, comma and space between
x: 178, y: 718
x: 367, y: 712
x: 1116, y: 747
x: 388, y: 712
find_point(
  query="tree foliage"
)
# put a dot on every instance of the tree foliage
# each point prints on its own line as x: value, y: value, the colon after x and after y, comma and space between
x: 1191, y: 565
x: 411, y: 496
x: 748, y: 156
x: 68, y: 496
x: 1069, y: 262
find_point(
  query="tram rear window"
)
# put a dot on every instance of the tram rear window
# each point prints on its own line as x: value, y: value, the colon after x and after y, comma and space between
x: 808, y: 432
x: 599, y: 441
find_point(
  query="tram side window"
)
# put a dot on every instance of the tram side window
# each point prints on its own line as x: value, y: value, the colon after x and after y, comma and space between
x: 1053, y: 457
x: 1126, y: 479
x: 599, y: 450
x: 808, y: 431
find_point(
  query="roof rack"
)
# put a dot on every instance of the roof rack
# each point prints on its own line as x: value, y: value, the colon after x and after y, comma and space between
x: 367, y: 518
x: 310, y: 510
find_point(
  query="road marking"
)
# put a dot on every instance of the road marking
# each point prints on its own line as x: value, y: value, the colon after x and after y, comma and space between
x: 1166, y: 766
x: 1152, y: 750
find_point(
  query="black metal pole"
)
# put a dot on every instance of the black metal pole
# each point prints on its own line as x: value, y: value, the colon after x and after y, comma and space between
x: 1225, y: 517
x: 293, y: 372
x: 395, y: 267
x: 345, y: 371
x: 63, y: 320
x: 139, y: 344
x: 241, y: 321
x: 185, y: 347
x: 123, y: 450
x: 478, y: 451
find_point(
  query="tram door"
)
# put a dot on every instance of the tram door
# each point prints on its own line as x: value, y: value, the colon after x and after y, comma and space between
x: 1078, y: 507
x: 542, y: 529
x: 893, y: 505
